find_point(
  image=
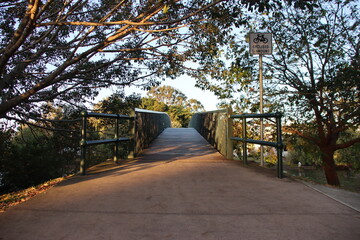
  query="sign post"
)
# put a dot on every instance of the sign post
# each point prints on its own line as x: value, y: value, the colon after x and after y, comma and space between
x: 261, y: 44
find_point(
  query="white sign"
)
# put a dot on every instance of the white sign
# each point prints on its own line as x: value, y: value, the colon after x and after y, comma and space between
x: 260, y: 43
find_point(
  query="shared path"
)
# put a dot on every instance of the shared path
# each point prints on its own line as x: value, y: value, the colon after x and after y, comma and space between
x: 180, y: 188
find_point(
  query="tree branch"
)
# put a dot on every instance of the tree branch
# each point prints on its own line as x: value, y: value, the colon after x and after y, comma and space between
x: 301, y: 134
x: 347, y: 144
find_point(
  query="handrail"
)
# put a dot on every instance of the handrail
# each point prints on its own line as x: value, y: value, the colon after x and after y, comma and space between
x: 255, y: 115
x: 266, y: 143
x: 216, y: 127
x: 148, y: 111
x: 84, y: 143
x: 278, y: 144
x: 105, y: 141
x: 104, y: 115
x: 148, y: 125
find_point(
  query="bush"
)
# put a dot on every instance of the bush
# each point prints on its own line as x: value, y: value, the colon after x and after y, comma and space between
x: 32, y: 159
x: 271, y: 159
x: 350, y: 156
x: 302, y: 151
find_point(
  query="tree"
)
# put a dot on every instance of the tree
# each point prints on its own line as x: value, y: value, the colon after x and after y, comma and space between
x: 314, y: 73
x: 172, y: 96
x: 115, y: 104
x: 153, y: 105
x: 195, y: 105
x: 167, y: 95
x: 66, y: 51
x: 118, y: 104
x: 317, y: 59
x: 174, y: 102
x: 349, y: 156
x: 33, y: 155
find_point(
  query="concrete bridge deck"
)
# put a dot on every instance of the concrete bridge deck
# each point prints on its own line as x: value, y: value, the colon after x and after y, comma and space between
x: 180, y: 188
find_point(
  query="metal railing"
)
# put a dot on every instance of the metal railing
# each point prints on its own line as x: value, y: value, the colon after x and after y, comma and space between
x: 85, y: 143
x: 216, y: 128
x: 278, y: 144
x: 148, y: 125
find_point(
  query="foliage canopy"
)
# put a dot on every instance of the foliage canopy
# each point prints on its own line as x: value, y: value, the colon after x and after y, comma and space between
x: 313, y: 74
x: 66, y: 51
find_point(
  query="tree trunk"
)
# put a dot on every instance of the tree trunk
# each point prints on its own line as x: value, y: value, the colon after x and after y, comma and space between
x: 330, y: 168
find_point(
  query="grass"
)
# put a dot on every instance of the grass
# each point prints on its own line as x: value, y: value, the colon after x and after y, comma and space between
x: 348, y: 181
x: 11, y: 199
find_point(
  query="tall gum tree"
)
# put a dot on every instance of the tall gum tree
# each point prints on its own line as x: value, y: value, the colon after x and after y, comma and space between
x: 65, y: 51
x: 313, y: 74
x: 317, y: 57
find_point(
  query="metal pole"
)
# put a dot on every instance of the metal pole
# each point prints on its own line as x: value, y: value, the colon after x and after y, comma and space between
x: 229, y: 133
x: 279, y: 147
x: 116, y: 150
x: 262, y: 162
x: 83, y: 143
x: 132, y: 152
x: 244, y: 142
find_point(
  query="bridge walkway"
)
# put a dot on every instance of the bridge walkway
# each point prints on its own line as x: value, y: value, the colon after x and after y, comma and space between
x: 180, y: 188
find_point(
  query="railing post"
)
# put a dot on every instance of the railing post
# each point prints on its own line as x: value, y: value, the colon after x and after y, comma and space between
x: 229, y: 133
x: 244, y: 142
x: 116, y: 148
x: 279, y: 146
x: 132, y: 143
x: 83, y: 142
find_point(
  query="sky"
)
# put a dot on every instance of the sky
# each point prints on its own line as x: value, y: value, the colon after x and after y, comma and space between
x: 184, y: 83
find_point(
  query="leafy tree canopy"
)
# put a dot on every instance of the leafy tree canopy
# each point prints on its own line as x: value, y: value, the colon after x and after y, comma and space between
x: 66, y: 51
x: 318, y: 60
x: 313, y: 74
x: 167, y: 95
x: 174, y: 102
